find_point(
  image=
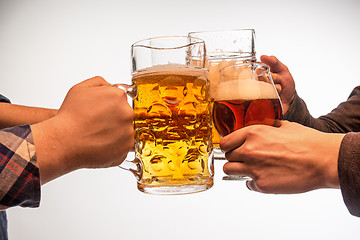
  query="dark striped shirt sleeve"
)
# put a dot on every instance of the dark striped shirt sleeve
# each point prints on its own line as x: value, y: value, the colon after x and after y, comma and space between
x: 19, y: 172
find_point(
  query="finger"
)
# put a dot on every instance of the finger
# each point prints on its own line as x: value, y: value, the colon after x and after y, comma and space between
x: 278, y: 88
x: 95, y: 82
x: 276, y: 78
x: 275, y: 65
x: 237, y: 168
x: 233, y: 140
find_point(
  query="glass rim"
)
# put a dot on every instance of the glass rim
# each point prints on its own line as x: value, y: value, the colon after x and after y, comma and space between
x: 138, y: 43
x: 247, y: 64
x: 222, y: 31
x: 174, y: 66
x: 267, y: 68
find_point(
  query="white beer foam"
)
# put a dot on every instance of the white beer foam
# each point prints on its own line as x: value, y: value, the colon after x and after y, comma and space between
x: 246, y: 89
x: 173, y: 69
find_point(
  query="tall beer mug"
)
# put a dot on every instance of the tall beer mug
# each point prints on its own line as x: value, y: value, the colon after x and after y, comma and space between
x: 173, y: 147
x: 225, y: 48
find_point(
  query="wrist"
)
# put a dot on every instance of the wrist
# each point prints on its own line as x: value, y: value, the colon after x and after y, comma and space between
x: 50, y: 150
x: 331, y: 155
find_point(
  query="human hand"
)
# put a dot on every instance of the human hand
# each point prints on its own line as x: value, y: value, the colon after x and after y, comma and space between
x: 289, y: 159
x: 92, y: 129
x: 283, y: 80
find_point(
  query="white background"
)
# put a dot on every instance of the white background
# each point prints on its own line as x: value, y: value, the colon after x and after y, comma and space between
x: 47, y: 46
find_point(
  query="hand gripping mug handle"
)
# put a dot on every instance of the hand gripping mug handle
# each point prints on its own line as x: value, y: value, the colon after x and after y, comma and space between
x: 135, y: 165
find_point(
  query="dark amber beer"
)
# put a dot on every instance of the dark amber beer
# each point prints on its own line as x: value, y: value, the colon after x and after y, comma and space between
x: 247, y: 102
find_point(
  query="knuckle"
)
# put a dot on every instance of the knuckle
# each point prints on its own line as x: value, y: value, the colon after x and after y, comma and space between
x: 249, y: 150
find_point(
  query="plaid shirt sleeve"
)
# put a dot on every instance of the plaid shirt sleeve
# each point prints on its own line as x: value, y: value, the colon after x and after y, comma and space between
x: 19, y: 172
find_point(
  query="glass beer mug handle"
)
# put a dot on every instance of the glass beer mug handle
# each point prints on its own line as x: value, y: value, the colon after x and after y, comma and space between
x: 130, y: 90
x: 133, y: 166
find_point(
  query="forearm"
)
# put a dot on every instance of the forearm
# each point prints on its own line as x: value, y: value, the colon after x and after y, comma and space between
x: 298, y: 112
x: 345, y: 118
x: 14, y: 115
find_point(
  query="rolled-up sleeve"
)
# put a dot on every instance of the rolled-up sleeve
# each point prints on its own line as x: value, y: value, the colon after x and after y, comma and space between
x: 19, y: 172
x: 349, y: 172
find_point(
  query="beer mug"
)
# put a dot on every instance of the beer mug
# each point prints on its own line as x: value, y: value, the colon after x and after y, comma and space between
x: 246, y: 95
x: 225, y: 48
x: 173, y: 147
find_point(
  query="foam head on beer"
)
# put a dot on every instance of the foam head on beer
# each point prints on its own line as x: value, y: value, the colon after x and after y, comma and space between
x: 245, y: 89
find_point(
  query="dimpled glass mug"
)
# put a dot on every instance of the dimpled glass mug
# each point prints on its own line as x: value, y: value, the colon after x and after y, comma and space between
x: 225, y: 48
x: 173, y: 147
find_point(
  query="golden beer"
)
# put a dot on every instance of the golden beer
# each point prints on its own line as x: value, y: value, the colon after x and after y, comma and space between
x: 173, y: 127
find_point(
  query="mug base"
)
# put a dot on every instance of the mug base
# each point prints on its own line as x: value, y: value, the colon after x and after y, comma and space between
x: 175, y: 190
